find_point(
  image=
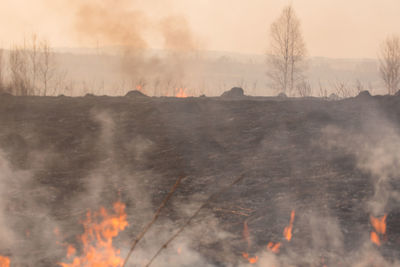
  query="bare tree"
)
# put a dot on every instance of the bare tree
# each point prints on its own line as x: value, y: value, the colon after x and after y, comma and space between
x: 389, y: 63
x: 322, y: 90
x: 304, y: 88
x: 19, y: 70
x: 287, y: 53
x: 33, y: 62
x: 1, y: 71
x: 342, y: 90
x: 47, y: 66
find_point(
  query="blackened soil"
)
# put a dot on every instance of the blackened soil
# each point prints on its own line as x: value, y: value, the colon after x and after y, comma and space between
x: 282, y: 147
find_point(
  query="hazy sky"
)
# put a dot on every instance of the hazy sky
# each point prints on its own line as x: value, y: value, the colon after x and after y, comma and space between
x: 333, y: 28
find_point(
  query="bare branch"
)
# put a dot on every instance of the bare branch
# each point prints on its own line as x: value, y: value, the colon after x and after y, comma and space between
x: 287, y: 52
x: 389, y: 63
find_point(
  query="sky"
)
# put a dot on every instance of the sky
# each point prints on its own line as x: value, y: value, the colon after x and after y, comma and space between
x: 331, y: 28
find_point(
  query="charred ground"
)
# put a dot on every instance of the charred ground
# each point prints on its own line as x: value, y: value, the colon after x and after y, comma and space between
x: 283, y: 147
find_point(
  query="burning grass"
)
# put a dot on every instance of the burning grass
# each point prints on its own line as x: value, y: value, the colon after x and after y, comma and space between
x: 4, y: 261
x: 97, y: 240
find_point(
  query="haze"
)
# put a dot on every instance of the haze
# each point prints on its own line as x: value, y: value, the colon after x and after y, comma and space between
x: 340, y: 29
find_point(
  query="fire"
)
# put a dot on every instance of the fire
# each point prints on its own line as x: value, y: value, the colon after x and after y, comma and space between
x: 375, y: 238
x: 379, y: 225
x: 252, y: 260
x: 180, y: 92
x: 139, y: 88
x: 100, y: 229
x: 287, y: 232
x: 274, y: 247
x: 246, y: 236
x: 4, y: 261
x: 70, y: 251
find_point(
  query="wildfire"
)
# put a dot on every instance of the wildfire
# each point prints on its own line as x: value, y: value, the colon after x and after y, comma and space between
x: 246, y: 236
x: 379, y: 225
x: 4, y: 261
x: 180, y: 92
x: 100, y: 229
x: 287, y: 232
x: 251, y: 260
x: 274, y: 247
x: 139, y: 88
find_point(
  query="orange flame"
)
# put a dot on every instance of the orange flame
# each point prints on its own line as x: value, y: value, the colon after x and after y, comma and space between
x: 139, y: 88
x: 287, y: 232
x: 70, y: 251
x: 180, y: 92
x: 4, y: 261
x: 274, y: 247
x: 375, y: 238
x: 379, y: 225
x: 98, y: 250
x: 252, y: 260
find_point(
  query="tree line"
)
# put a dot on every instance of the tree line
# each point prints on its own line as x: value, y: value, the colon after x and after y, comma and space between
x: 287, y: 61
x: 29, y: 69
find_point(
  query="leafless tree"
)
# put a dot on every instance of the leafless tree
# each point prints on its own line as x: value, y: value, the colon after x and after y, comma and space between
x: 32, y: 52
x: 47, y: 66
x: 19, y: 70
x: 322, y: 90
x: 342, y: 89
x: 304, y: 88
x: 1, y: 71
x: 286, y: 57
x: 389, y: 63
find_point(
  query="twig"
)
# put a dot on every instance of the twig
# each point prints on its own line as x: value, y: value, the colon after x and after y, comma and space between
x: 156, y: 214
x: 231, y: 211
x: 165, y: 245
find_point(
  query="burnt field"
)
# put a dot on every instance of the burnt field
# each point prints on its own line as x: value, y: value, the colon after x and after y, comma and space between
x: 281, y: 182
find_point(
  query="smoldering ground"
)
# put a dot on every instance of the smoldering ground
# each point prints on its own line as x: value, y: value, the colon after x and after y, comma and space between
x: 315, y: 157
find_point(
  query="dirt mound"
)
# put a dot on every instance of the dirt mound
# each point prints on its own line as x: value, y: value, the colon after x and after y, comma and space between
x: 364, y: 94
x: 135, y: 93
x: 333, y: 96
x: 90, y: 95
x: 234, y: 92
x: 282, y: 95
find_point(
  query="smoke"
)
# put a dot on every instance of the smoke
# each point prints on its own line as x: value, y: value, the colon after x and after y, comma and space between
x: 26, y: 222
x: 375, y: 147
x: 128, y: 27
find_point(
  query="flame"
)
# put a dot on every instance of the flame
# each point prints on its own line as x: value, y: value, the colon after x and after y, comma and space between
x: 375, y: 238
x: 70, y: 251
x: 252, y: 260
x: 100, y: 228
x: 4, y: 261
x: 139, y: 88
x: 287, y: 232
x: 180, y: 92
x: 379, y: 225
x: 274, y: 247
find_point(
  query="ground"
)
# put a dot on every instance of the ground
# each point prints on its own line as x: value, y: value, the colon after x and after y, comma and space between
x: 332, y: 162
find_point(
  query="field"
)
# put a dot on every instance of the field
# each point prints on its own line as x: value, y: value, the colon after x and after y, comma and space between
x: 326, y: 171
